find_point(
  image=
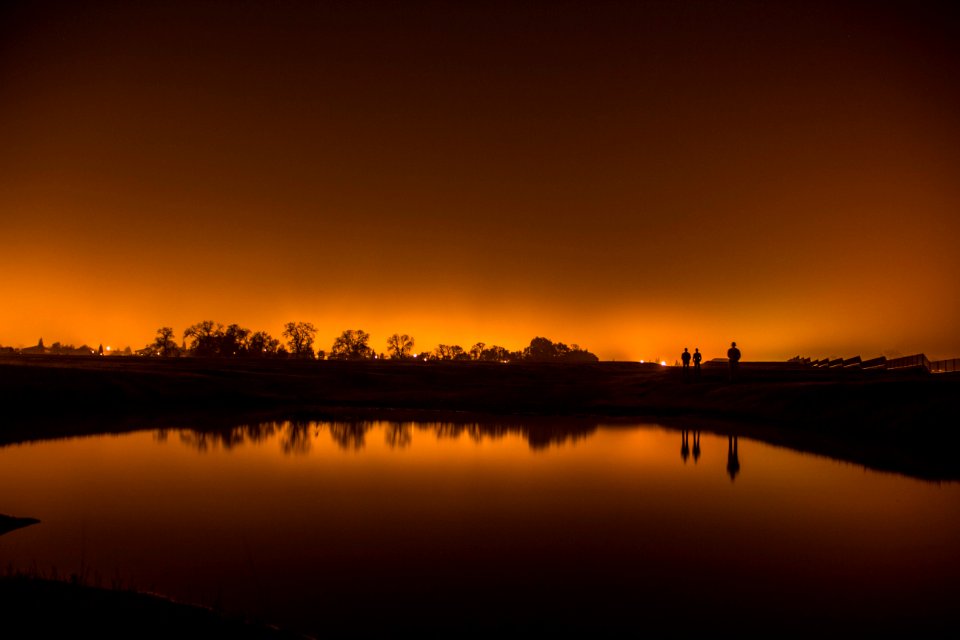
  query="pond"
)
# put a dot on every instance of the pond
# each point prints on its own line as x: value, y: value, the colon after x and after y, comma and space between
x: 373, y: 527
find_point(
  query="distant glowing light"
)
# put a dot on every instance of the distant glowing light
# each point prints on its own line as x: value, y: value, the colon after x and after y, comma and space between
x: 108, y: 348
x: 641, y: 362
x: 663, y: 363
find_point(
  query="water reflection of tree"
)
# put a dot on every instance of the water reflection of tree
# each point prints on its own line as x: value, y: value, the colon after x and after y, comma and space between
x: 398, y: 434
x: 539, y: 434
x: 227, y: 438
x: 349, y: 435
x: 208, y: 440
x: 295, y: 437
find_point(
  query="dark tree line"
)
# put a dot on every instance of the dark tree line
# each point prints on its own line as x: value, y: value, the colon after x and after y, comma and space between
x: 540, y: 350
x: 212, y: 339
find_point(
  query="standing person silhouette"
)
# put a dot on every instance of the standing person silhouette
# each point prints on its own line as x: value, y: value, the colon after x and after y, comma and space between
x: 685, y: 357
x: 733, y: 356
x: 697, y: 357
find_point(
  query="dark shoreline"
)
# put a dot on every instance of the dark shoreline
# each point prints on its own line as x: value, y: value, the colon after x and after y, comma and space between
x: 61, y: 608
x: 903, y: 422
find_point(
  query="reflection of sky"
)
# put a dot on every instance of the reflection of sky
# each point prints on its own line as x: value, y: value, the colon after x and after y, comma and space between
x: 162, y: 513
x: 635, y: 178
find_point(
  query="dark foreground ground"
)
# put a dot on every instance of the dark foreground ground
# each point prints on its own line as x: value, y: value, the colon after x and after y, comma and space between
x: 41, y: 608
x: 904, y: 421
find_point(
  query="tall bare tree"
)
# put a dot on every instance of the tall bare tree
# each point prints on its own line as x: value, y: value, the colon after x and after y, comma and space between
x: 299, y: 337
x: 164, y: 344
x: 399, y: 346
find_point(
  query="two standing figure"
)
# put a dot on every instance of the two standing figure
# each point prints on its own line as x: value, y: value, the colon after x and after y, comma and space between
x: 685, y: 358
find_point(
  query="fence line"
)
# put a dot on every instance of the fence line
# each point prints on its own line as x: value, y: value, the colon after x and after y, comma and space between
x: 916, y: 361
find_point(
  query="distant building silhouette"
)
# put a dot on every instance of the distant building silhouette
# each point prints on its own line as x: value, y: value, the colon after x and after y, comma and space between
x: 38, y: 349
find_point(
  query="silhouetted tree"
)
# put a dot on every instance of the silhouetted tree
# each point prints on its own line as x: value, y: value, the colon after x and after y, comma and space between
x: 495, y: 354
x: 353, y: 344
x: 579, y: 355
x: 261, y: 344
x: 400, y: 346
x: 449, y: 352
x: 300, y: 338
x: 234, y: 341
x: 544, y: 350
x: 477, y: 350
x: 164, y: 344
x: 540, y: 350
x: 205, y: 338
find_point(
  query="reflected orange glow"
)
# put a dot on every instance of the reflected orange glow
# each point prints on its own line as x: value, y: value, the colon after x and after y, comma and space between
x: 190, y: 516
x: 643, y: 179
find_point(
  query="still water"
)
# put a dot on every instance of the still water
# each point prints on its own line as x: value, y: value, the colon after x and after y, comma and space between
x: 380, y: 526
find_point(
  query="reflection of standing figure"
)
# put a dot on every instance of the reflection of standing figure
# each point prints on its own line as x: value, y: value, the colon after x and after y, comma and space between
x: 696, y: 446
x: 697, y: 357
x: 685, y: 358
x: 684, y: 446
x: 733, y: 459
x: 733, y: 355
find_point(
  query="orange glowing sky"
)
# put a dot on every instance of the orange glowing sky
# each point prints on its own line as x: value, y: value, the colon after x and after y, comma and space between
x: 632, y: 177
